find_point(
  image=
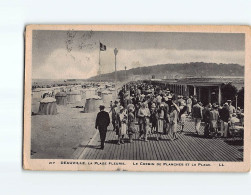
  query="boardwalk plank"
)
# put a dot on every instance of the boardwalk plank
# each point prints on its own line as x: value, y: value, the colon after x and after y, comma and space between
x: 188, y: 148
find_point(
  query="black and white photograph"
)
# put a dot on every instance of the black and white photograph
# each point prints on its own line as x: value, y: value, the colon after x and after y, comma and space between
x: 125, y: 97
x: 142, y: 96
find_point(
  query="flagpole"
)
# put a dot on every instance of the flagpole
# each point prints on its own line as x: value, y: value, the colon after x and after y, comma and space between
x: 115, y: 53
x: 99, y: 71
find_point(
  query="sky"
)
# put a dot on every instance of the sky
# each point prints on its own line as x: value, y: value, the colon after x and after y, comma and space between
x: 75, y: 55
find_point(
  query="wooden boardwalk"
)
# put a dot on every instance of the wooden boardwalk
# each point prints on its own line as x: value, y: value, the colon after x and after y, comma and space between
x: 188, y: 147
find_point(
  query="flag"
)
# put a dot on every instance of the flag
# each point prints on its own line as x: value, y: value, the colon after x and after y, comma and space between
x: 102, y: 47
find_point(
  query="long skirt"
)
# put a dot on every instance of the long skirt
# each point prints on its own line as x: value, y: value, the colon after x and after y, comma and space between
x: 183, y: 119
x: 224, y: 128
x: 123, y: 129
x: 213, y: 125
x: 160, y: 125
x: 173, y: 128
x: 189, y: 108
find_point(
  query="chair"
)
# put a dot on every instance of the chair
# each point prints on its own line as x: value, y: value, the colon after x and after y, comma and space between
x: 236, y: 130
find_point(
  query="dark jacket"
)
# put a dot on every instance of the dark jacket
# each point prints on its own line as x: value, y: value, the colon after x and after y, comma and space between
x: 197, y: 111
x: 206, y: 115
x: 102, y: 120
x: 224, y: 114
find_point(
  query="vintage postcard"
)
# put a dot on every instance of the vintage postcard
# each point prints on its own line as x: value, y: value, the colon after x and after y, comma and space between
x: 137, y: 98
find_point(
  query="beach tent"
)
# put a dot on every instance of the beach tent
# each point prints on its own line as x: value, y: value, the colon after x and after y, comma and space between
x: 99, y: 92
x: 113, y: 91
x: 92, y: 104
x: 77, y: 87
x: 82, y: 92
x: 73, y: 97
x: 63, y: 88
x: 37, y: 93
x: 48, y: 106
x: 69, y: 88
x: 90, y: 92
x: 46, y: 91
x: 56, y: 90
x: 61, y: 98
x: 107, y: 97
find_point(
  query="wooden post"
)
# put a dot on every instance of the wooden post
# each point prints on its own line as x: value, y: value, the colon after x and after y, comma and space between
x: 219, y: 95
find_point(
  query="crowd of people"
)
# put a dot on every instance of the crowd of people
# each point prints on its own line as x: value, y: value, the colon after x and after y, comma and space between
x: 157, y: 110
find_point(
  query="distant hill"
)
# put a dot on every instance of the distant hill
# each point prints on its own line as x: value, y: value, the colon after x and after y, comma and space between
x: 174, y: 71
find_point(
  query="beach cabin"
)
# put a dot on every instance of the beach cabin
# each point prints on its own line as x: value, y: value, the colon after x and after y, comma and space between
x: 61, y: 98
x: 90, y: 92
x: 73, y: 97
x: 48, y: 106
x: 92, y: 104
x: 107, y: 97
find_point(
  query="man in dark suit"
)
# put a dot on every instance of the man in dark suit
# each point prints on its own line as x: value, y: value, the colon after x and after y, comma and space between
x: 102, y: 122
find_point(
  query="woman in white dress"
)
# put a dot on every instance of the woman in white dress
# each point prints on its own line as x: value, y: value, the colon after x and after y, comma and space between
x: 123, y: 125
x: 160, y: 125
x: 182, y: 116
x: 189, y: 105
x: 174, y: 121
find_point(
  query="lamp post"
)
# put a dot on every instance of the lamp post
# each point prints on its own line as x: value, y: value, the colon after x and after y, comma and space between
x: 115, y: 54
x: 125, y: 78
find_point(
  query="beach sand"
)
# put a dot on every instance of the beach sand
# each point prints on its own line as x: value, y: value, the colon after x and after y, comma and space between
x: 58, y: 136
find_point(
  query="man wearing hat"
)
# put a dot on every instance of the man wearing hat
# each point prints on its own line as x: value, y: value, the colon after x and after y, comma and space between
x: 224, y: 118
x: 102, y: 122
x: 206, y: 117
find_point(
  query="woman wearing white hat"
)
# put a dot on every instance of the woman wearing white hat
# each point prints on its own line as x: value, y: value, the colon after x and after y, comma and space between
x: 122, y: 127
x: 131, y: 124
x: 189, y: 105
x: 174, y: 120
x: 160, y: 129
x: 182, y: 116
